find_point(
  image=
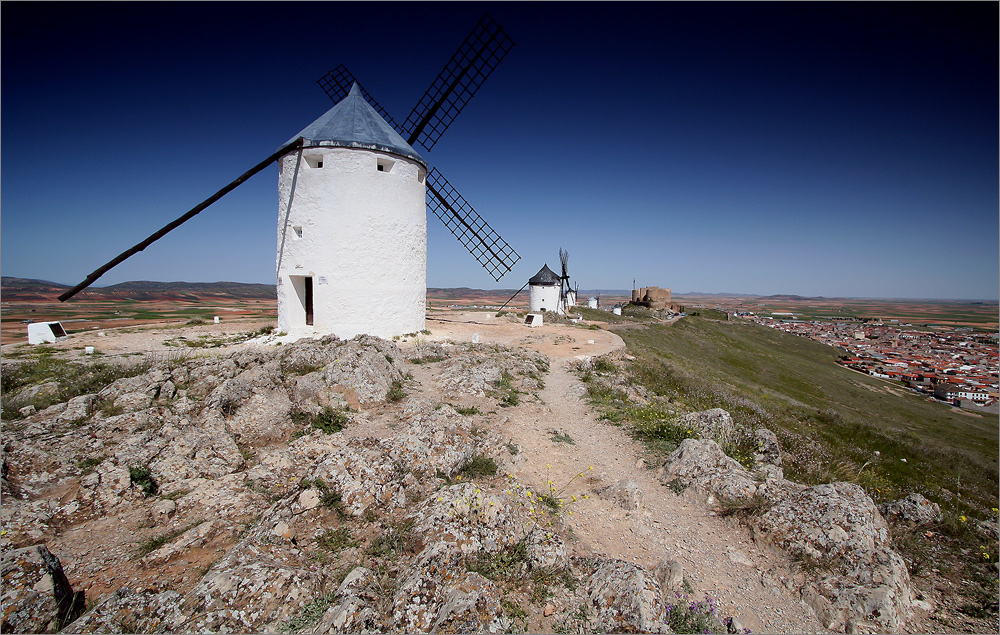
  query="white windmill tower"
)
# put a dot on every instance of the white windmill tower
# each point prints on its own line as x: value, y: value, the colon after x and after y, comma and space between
x: 351, y: 194
x: 352, y: 236
x: 544, y: 291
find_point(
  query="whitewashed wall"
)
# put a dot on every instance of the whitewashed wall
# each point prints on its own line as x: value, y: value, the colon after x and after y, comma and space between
x: 364, y: 243
x: 543, y: 297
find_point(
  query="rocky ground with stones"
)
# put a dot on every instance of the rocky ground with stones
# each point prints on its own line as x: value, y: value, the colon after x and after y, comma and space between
x: 450, y: 481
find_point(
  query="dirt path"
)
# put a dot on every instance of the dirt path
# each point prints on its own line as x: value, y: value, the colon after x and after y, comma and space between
x: 719, y: 560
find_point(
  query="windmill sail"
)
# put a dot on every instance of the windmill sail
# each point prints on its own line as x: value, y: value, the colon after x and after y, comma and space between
x: 475, y: 234
x: 100, y: 271
x: 462, y: 76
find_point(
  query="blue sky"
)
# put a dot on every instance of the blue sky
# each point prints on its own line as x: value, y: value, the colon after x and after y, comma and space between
x: 845, y: 149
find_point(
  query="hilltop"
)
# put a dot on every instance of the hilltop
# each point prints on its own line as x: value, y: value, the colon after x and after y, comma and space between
x: 27, y: 289
x: 331, y: 486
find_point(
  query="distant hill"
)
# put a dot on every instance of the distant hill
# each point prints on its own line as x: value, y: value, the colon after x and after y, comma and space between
x: 28, y: 289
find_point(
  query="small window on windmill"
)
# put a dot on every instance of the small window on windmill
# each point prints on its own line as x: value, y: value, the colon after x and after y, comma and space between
x: 298, y: 231
x: 314, y: 160
x: 384, y: 165
x: 421, y: 176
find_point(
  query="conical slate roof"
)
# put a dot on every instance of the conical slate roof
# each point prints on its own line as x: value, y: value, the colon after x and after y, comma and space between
x: 545, y: 277
x: 353, y: 123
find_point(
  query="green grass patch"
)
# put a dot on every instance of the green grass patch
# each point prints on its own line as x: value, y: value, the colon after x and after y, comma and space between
x: 337, y: 539
x: 74, y: 378
x: 428, y: 359
x: 151, y: 545
x: 395, y: 541
x: 500, y: 565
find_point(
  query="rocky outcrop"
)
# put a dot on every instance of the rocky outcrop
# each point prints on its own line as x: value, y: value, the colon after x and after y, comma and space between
x: 914, y: 509
x: 715, y: 424
x: 214, y: 461
x: 478, y: 370
x: 37, y: 597
x: 132, y: 611
x: 836, y: 530
x: 625, y: 493
x: 701, y: 464
x: 627, y: 598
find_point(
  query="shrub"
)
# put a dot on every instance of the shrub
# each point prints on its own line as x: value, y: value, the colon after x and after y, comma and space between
x: 396, y: 392
x: 328, y: 498
x: 309, y: 615
x: 327, y: 420
x: 480, y: 465
x: 693, y: 617
x: 143, y: 479
x: 500, y: 565
x: 428, y: 359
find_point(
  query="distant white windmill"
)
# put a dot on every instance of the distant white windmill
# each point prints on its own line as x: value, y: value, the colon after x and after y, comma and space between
x: 544, y: 291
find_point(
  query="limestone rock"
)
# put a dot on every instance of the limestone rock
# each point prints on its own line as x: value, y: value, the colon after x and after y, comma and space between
x: 468, y: 519
x: 131, y: 611
x: 37, y: 597
x: 702, y: 465
x: 838, y: 527
x: 670, y: 574
x: 912, y: 509
x: 625, y: 493
x: 715, y: 424
x: 350, y: 615
x: 440, y: 595
x: 77, y: 408
x: 768, y: 451
x: 546, y: 550
x: 248, y: 589
x: 627, y: 598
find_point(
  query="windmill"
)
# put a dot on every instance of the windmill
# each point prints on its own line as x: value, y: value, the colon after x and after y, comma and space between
x: 567, y: 295
x: 463, y: 75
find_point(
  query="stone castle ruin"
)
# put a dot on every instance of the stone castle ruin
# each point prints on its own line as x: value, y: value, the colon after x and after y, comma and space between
x: 655, y: 298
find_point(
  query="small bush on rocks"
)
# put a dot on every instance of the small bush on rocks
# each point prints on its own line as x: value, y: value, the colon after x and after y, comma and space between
x: 397, y: 540
x: 327, y: 420
x: 396, y: 392
x: 143, y: 479
x: 309, y: 615
x: 480, y: 465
